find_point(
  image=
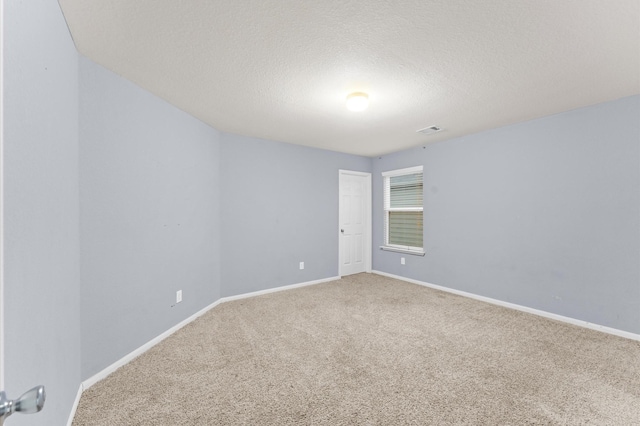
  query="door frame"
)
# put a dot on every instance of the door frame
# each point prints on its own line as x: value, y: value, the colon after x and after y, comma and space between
x: 368, y: 218
x: 2, y: 50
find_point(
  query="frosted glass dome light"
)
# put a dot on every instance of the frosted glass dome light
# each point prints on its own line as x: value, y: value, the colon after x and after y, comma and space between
x: 357, y: 101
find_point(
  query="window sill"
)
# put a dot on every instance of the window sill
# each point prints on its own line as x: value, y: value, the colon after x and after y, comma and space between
x: 399, y: 250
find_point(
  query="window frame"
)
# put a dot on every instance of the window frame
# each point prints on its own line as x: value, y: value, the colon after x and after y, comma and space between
x: 386, y: 199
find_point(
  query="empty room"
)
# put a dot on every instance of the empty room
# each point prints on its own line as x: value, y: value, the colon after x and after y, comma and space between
x: 320, y: 213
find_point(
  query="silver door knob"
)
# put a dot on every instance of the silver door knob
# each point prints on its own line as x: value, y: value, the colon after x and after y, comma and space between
x: 30, y: 402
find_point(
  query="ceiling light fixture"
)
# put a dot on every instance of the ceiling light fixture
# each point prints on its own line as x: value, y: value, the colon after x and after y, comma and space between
x: 357, y: 101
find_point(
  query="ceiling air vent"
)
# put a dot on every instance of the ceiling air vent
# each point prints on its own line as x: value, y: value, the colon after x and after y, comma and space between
x: 429, y: 130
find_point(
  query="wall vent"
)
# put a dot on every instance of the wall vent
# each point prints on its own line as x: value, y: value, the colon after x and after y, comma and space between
x: 429, y: 130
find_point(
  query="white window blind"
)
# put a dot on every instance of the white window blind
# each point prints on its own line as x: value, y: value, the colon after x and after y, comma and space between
x: 403, y: 209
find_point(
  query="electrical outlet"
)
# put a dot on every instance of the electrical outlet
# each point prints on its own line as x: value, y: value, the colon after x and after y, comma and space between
x: 178, y: 296
x: 301, y: 265
x: 402, y: 260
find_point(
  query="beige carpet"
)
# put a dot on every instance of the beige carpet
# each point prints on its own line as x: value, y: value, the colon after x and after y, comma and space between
x: 369, y: 350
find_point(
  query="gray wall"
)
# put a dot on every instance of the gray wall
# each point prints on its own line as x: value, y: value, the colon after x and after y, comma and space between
x: 41, y: 208
x: 279, y: 207
x: 544, y: 214
x: 149, y: 214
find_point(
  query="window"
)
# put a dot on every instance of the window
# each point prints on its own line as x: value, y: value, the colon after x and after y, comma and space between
x: 403, y: 210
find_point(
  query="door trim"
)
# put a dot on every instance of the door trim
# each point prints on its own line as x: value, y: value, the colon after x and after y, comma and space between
x: 2, y: 50
x: 368, y: 217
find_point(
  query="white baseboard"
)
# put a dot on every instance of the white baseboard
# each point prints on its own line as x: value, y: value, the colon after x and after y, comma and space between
x: 74, y: 408
x: 538, y: 312
x: 142, y: 349
x: 276, y: 289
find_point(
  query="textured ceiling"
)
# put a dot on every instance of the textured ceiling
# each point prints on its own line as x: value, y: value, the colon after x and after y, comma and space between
x: 281, y: 69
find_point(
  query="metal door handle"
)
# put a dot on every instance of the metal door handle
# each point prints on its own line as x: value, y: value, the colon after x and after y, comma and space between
x: 30, y: 402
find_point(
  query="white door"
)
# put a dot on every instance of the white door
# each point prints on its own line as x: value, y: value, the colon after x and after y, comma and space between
x: 355, y: 222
